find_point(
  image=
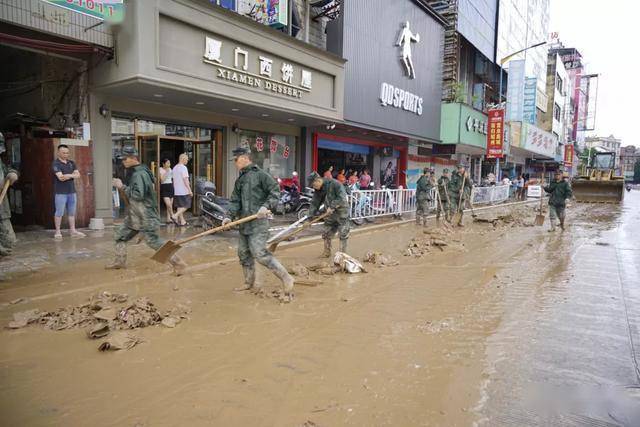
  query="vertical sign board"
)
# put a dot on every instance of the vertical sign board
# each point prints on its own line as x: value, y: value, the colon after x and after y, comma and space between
x: 495, y: 136
x: 529, y: 101
x: 515, y: 91
x: 105, y: 10
x: 568, y: 155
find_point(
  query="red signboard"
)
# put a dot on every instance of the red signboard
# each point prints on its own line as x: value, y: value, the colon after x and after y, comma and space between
x: 568, y: 155
x: 495, y: 135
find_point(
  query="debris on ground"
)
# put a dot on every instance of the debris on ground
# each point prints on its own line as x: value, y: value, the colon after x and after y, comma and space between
x: 298, y: 270
x: 120, y: 340
x: 325, y: 269
x: 348, y: 264
x: 379, y: 259
x: 102, y: 313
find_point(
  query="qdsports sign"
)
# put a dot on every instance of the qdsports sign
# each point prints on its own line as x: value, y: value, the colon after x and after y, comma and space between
x: 398, y: 98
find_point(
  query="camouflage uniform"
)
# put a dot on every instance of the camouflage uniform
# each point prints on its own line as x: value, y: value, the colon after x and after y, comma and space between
x: 454, y: 188
x: 443, y: 205
x: 559, y: 192
x: 7, y: 236
x: 423, y: 197
x: 253, y: 190
x: 332, y: 195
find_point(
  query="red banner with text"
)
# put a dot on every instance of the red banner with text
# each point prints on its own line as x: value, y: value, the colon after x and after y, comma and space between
x: 495, y: 135
x: 568, y: 155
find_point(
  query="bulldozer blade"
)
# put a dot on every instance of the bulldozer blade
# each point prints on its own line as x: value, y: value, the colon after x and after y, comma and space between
x: 166, y: 251
x: 539, y: 220
x: 591, y: 191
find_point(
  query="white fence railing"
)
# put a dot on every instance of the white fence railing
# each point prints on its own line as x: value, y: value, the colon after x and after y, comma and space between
x: 377, y: 203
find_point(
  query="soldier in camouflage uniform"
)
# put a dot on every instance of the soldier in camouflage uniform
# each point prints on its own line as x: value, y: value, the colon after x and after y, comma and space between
x: 7, y: 236
x: 443, y: 192
x: 454, y: 188
x: 142, y: 213
x: 425, y: 184
x: 559, y: 191
x: 331, y: 194
x: 255, y: 192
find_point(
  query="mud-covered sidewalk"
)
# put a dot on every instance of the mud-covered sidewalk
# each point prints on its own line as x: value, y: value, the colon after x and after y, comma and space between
x: 437, y: 336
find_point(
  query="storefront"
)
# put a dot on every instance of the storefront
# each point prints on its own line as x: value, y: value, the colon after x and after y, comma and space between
x: 392, y: 89
x: 208, y: 82
x: 531, y: 150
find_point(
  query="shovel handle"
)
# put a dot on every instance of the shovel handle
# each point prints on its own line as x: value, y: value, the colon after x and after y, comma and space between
x: 215, y: 230
x: 5, y: 188
x: 304, y: 226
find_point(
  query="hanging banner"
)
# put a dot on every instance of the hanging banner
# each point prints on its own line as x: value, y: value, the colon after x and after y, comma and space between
x: 105, y: 10
x: 495, y: 136
x: 568, y: 155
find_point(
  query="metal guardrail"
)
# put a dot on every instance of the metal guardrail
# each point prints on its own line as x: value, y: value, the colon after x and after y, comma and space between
x: 377, y: 203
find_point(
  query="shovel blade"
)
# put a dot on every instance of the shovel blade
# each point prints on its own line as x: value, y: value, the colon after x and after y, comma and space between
x: 456, y: 218
x: 539, y: 220
x: 166, y: 251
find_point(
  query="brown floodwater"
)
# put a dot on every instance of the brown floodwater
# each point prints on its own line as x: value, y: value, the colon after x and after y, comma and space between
x: 420, y: 343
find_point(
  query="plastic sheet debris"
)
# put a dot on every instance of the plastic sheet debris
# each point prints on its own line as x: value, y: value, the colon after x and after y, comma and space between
x: 348, y: 264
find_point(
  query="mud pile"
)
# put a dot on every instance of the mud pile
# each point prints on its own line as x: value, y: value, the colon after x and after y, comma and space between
x: 379, y: 259
x: 102, y: 314
x: 437, y: 238
x: 517, y: 217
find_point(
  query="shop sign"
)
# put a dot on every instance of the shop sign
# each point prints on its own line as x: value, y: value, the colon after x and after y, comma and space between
x: 293, y: 82
x: 495, y: 137
x: 273, y: 145
x: 476, y: 125
x: 568, y: 155
x: 538, y: 141
x: 274, y: 13
x: 259, y: 144
x: 443, y: 149
x: 529, y: 103
x: 398, y: 98
x: 104, y: 10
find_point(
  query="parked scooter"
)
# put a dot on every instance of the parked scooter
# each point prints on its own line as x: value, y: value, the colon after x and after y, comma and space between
x: 292, y: 200
x: 213, y: 209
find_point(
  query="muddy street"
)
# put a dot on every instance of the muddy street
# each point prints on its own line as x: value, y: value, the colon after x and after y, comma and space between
x: 498, y: 323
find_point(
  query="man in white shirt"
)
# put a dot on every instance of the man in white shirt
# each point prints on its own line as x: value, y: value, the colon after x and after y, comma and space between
x: 181, y: 190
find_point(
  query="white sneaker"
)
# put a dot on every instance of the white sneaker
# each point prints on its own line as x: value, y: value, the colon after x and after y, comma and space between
x: 78, y: 235
x: 57, y: 236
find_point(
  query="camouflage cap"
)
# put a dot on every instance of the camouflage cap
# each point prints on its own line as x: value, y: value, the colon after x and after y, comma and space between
x: 240, y: 151
x: 445, y: 170
x: 312, y: 177
x: 426, y: 170
x: 128, y: 151
x: 462, y: 165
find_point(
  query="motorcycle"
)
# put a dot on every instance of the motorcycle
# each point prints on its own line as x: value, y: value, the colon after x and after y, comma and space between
x: 213, y: 208
x: 292, y: 200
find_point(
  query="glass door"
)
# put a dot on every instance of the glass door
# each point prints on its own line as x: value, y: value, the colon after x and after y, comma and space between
x: 149, y: 149
x: 203, y: 167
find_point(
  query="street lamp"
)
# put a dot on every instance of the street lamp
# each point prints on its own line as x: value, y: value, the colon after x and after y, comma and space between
x: 501, y: 64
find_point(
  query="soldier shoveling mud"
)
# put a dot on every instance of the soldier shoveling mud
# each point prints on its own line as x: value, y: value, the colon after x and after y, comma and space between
x: 425, y: 184
x: 255, y: 193
x: 443, y: 197
x: 8, y: 177
x: 458, y: 188
x: 559, y: 191
x: 331, y: 194
x: 142, y: 214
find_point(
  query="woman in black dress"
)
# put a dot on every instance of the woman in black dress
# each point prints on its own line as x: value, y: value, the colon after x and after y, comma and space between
x: 166, y: 187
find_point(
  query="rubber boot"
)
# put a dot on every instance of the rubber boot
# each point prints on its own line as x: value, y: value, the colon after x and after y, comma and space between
x: 120, y: 257
x: 327, y: 249
x: 553, y: 226
x: 419, y: 220
x: 178, y: 265
x: 287, y: 281
x: 249, y: 273
x: 343, y: 246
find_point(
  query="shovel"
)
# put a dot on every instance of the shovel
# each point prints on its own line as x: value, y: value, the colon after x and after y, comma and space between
x: 540, y: 216
x: 5, y: 188
x: 274, y: 245
x: 457, y: 217
x: 170, y: 247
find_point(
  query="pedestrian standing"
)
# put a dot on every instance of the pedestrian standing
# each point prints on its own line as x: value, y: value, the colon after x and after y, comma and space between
x: 459, y: 183
x: 520, y: 188
x: 182, y: 194
x: 332, y: 195
x: 423, y: 195
x: 7, y: 236
x: 559, y: 191
x: 365, y: 179
x: 329, y: 172
x: 443, y: 193
x: 353, y: 180
x: 142, y: 214
x: 341, y: 178
x: 65, y: 173
x: 166, y: 187
x: 255, y: 192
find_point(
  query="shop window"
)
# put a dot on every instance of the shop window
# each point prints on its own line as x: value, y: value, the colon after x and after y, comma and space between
x: 276, y: 154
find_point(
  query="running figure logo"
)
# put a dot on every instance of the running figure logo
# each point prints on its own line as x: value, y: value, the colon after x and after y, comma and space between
x: 405, y: 39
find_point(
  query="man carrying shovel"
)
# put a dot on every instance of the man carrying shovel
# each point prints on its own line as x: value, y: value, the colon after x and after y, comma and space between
x: 559, y: 191
x: 255, y: 193
x: 459, y: 187
x: 443, y: 194
x: 423, y: 195
x: 8, y: 177
x: 142, y: 214
x: 331, y: 194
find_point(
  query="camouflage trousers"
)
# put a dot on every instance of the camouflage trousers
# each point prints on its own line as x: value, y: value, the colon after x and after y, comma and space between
x: 422, y: 208
x: 443, y: 207
x: 7, y: 237
x: 124, y: 234
x: 253, y: 247
x: 556, y: 213
x: 339, y: 226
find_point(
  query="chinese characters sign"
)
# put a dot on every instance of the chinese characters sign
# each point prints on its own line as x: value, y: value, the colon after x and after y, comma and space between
x: 495, y: 136
x: 529, y: 103
x: 105, y: 10
x: 568, y: 155
x: 538, y: 141
x: 284, y: 78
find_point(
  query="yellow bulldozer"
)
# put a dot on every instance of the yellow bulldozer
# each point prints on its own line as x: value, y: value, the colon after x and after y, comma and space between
x: 597, y: 182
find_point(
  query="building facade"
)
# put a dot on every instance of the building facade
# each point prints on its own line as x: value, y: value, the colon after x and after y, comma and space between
x: 629, y: 158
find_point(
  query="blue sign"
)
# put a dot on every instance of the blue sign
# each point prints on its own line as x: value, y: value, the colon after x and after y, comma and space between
x: 529, y: 100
